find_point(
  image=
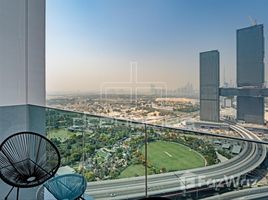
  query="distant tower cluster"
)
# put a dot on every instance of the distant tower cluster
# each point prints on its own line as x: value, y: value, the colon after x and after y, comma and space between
x: 250, y: 89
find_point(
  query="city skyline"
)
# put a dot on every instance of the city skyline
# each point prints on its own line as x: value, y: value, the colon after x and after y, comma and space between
x: 91, y: 42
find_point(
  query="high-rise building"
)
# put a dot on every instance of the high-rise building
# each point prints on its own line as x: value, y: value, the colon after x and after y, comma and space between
x: 250, y: 79
x: 250, y: 72
x: 250, y: 56
x: 209, y: 86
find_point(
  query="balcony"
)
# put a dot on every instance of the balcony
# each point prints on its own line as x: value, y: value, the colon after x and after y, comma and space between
x: 124, y: 159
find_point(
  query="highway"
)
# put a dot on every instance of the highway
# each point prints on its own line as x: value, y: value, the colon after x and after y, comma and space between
x: 259, y: 193
x: 251, y: 156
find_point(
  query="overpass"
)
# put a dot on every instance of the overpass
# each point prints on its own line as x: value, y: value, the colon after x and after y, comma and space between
x: 252, y: 155
x: 259, y: 193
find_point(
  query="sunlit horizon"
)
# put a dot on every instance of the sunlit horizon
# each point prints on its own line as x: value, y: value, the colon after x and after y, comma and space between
x: 89, y: 43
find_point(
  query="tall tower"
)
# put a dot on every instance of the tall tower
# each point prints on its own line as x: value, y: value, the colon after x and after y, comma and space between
x: 250, y: 72
x: 209, y: 86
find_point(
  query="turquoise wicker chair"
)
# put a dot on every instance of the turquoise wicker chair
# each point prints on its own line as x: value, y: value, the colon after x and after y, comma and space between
x: 67, y: 187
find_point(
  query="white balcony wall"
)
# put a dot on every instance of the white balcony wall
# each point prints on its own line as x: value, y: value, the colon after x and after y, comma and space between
x: 22, y: 52
x: 22, y: 73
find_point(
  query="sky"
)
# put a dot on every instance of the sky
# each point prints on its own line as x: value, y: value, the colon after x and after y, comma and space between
x: 92, y: 42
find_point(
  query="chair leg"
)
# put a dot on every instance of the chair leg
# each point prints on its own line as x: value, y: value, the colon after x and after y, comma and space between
x: 18, y: 190
x: 9, y: 193
x: 80, y: 198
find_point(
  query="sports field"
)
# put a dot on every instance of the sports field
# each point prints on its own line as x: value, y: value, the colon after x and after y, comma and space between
x: 60, y: 134
x: 133, y: 170
x: 168, y: 155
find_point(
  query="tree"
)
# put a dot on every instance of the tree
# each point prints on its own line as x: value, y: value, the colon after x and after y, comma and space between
x: 89, y: 175
x: 163, y: 170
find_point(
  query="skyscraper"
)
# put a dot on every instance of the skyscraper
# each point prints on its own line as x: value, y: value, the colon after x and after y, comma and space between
x: 250, y: 72
x: 209, y: 86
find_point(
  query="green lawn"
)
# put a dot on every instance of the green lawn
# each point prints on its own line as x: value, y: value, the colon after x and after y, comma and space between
x: 169, y: 155
x: 132, y: 170
x: 173, y: 156
x: 60, y: 134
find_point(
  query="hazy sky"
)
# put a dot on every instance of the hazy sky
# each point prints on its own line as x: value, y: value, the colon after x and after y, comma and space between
x: 90, y: 42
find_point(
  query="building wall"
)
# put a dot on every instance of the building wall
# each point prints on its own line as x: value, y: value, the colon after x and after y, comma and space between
x: 22, y: 73
x: 22, y: 52
x: 209, y: 86
x: 250, y: 109
x: 250, y: 56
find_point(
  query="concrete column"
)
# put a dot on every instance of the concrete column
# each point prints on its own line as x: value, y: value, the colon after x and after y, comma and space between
x: 22, y: 72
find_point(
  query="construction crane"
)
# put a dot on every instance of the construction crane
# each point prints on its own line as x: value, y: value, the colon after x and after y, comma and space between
x: 253, y: 22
